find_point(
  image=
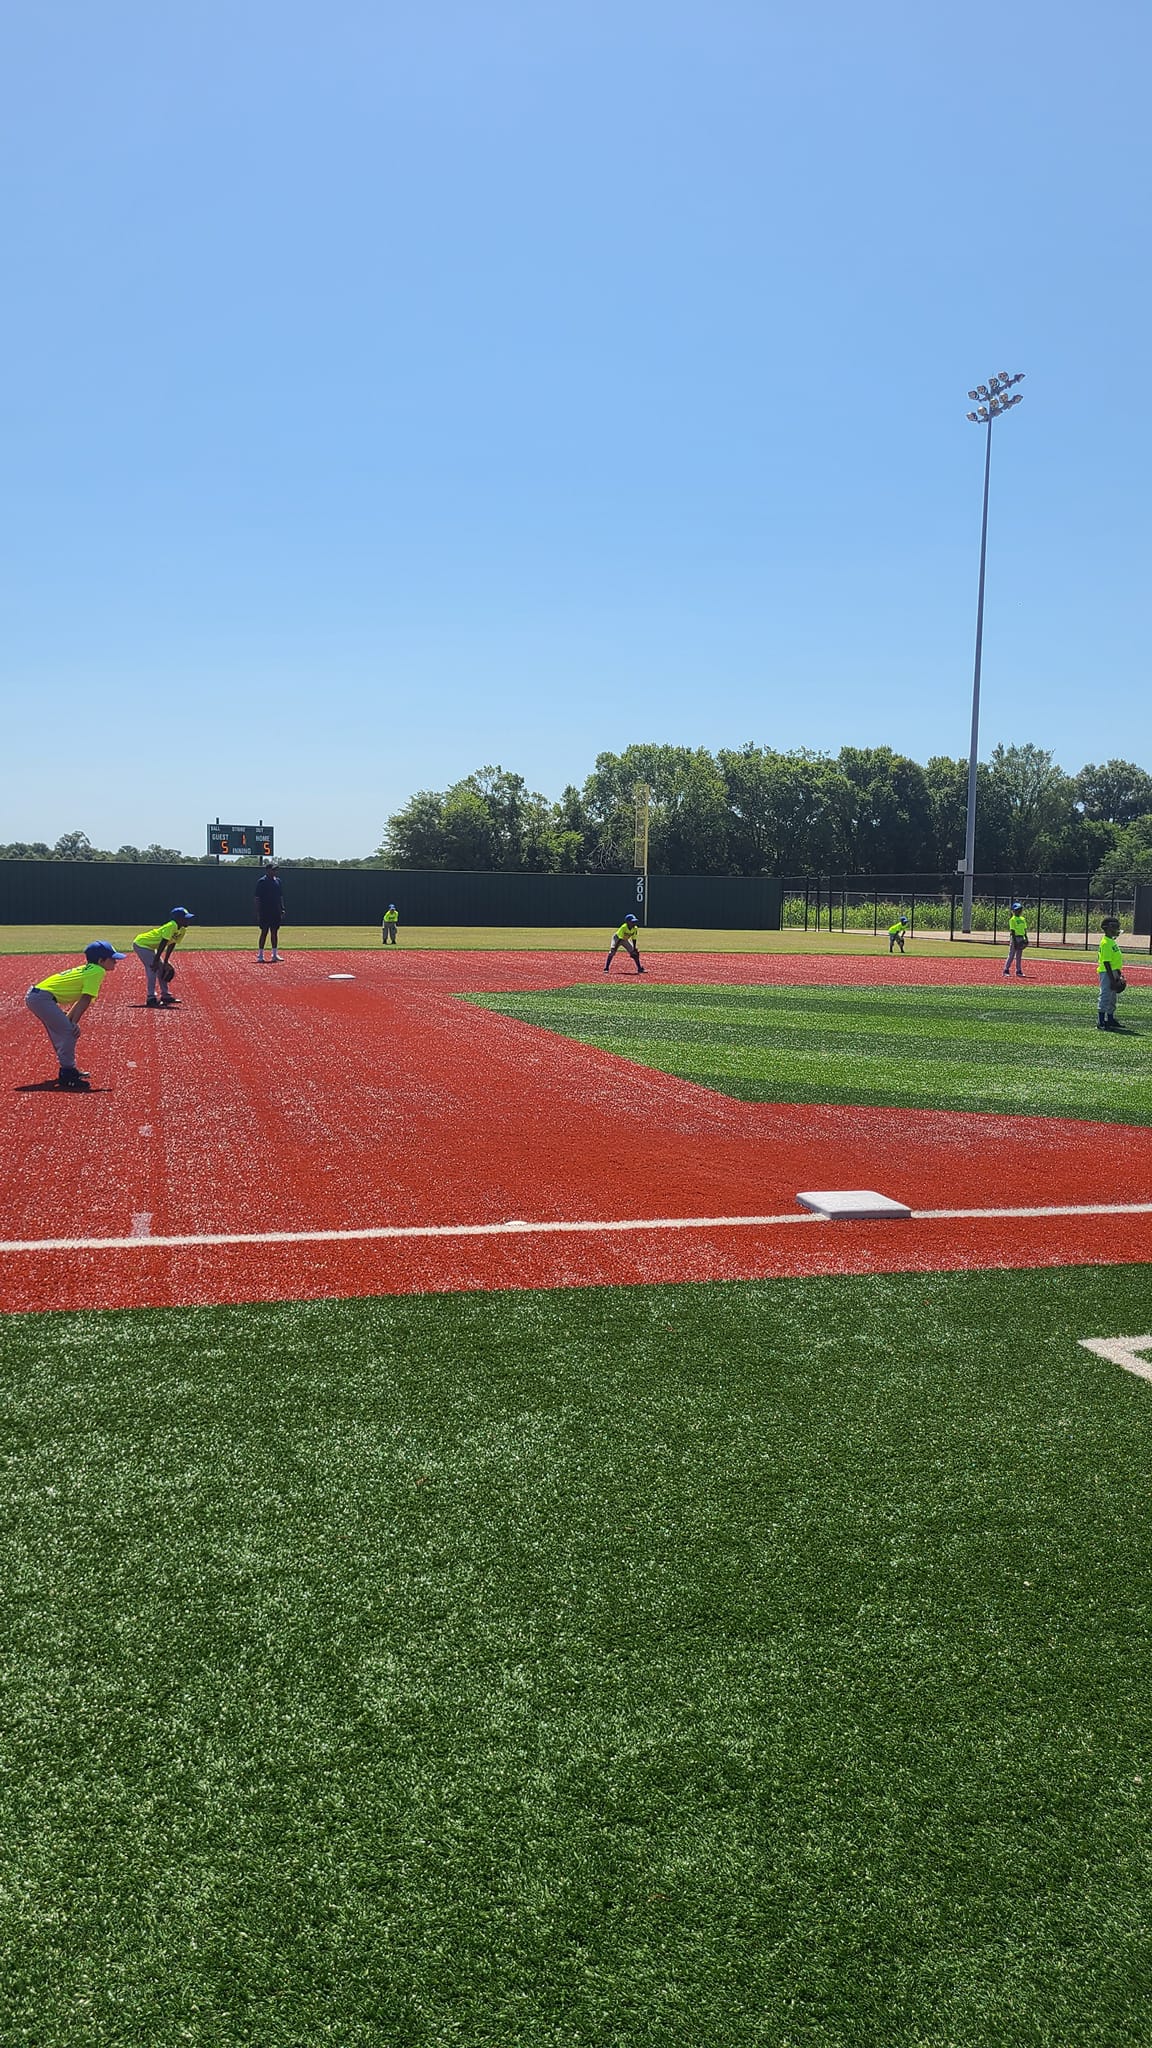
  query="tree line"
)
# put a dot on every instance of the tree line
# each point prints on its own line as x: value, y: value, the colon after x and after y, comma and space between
x: 751, y: 811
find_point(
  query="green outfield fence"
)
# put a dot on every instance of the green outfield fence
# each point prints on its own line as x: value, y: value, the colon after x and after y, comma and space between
x: 120, y: 893
x: 1061, y: 909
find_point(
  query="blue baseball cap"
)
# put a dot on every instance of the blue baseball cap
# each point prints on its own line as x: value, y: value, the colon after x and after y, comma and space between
x: 101, y: 950
x: 189, y: 916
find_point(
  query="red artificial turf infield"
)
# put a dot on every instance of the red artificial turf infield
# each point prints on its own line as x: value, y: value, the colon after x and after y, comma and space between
x: 277, y: 1099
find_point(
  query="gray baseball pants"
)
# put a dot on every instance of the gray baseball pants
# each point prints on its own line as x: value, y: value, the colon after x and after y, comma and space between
x: 146, y: 955
x: 1107, y: 995
x: 57, y: 1023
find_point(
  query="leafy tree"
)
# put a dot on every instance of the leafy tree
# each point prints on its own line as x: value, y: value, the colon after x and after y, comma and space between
x: 490, y: 820
x: 415, y: 837
x: 74, y: 846
x: 784, y: 809
x: 470, y: 832
x: 1118, y: 793
x: 888, y: 826
x: 688, y: 822
x: 947, y: 784
x: 1130, y: 856
x: 1037, y: 801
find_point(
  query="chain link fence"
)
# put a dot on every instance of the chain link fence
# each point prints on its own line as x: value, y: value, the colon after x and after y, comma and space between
x: 1061, y: 911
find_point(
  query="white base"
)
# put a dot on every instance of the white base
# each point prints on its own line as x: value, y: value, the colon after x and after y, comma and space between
x: 851, y: 1205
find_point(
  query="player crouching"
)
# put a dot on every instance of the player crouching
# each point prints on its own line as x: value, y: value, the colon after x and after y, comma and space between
x: 154, y: 951
x: 625, y: 936
x: 60, y: 1000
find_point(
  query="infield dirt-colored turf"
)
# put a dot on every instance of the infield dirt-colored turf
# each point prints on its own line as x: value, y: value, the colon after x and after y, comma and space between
x: 276, y: 1100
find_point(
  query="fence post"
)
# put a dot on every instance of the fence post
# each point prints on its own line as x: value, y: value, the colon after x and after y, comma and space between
x: 843, y: 909
x: 912, y: 915
x: 952, y: 915
x: 875, y: 912
x: 1064, y: 919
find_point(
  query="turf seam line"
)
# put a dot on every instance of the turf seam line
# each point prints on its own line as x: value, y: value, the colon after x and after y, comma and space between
x: 517, y: 1228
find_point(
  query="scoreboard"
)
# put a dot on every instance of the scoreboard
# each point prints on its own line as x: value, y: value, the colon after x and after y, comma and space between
x: 235, y: 839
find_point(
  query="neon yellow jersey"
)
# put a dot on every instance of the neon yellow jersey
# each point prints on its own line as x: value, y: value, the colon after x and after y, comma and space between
x: 627, y: 931
x: 73, y: 982
x: 1018, y: 926
x: 161, y: 935
x: 1110, y: 956
x: 391, y: 917
x: 894, y: 930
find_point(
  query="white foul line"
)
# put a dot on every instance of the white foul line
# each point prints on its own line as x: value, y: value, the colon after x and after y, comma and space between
x: 1123, y: 1351
x: 518, y: 1228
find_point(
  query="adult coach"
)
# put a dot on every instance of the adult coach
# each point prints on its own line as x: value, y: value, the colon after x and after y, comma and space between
x: 269, y: 901
x: 154, y: 950
x: 625, y: 935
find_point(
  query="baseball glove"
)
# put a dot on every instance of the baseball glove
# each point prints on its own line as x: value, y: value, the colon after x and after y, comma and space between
x: 167, y: 971
x: 1119, y: 984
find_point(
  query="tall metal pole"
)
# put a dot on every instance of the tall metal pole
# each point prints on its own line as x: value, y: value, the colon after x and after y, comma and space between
x: 994, y: 401
x: 974, y: 748
x: 643, y: 797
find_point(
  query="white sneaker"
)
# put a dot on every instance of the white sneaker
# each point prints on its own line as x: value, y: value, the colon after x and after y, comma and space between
x: 275, y: 956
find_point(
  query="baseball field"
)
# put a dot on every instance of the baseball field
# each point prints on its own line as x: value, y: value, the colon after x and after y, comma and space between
x: 488, y: 1565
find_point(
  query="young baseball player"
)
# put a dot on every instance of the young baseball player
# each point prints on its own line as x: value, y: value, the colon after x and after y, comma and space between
x: 388, y: 926
x: 896, y: 934
x: 625, y: 936
x: 1110, y: 972
x: 154, y: 951
x: 60, y: 1000
x: 1017, y: 940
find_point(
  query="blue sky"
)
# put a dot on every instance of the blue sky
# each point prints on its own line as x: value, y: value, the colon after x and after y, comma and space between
x: 392, y: 390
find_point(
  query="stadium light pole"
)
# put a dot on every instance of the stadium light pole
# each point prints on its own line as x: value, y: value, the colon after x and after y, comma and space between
x: 992, y: 402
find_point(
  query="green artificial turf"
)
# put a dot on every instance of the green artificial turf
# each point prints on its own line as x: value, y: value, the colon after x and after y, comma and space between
x: 1031, y: 1050
x: 718, y: 1665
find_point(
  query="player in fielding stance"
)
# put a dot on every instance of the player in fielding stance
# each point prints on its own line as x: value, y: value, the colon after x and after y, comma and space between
x: 60, y: 1000
x: 897, y: 933
x: 625, y: 935
x: 154, y: 951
